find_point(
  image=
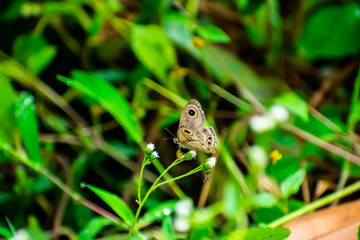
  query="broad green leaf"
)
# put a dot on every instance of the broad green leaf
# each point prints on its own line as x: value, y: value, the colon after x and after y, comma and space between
x: 156, y: 213
x: 93, y: 227
x: 154, y: 49
x: 212, y: 33
x: 292, y: 183
x: 332, y: 31
x: 109, y: 98
x: 5, y: 232
x: 260, y: 233
x: 294, y: 104
x: 34, y: 52
x: 115, y: 202
x: 28, y: 125
x: 267, y: 215
x: 263, y: 199
x: 7, y: 106
x: 167, y: 231
x: 41, y: 59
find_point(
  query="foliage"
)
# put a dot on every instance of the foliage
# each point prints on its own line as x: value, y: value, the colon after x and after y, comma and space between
x: 87, y: 85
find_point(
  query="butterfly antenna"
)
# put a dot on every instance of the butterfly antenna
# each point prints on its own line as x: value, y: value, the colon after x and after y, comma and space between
x: 170, y: 133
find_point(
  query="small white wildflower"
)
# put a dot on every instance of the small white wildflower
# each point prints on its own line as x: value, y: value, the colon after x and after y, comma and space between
x: 193, y: 153
x: 184, y: 207
x: 262, y: 123
x: 151, y: 146
x: 166, y: 211
x: 182, y: 224
x: 212, y: 162
x: 155, y: 154
x: 21, y: 235
x: 258, y: 157
x: 279, y: 113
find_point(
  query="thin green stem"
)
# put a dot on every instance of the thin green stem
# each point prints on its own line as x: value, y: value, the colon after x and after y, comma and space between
x: 141, y: 173
x: 141, y: 204
x: 316, y: 204
x: 198, y: 169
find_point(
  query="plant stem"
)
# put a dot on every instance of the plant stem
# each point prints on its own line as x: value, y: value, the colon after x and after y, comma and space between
x: 152, y: 188
x: 316, y: 204
x: 140, y: 178
x: 198, y: 169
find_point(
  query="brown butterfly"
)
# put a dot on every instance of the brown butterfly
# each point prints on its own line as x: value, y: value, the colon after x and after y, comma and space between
x: 191, y: 133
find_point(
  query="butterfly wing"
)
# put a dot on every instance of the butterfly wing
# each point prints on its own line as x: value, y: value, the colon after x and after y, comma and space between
x: 191, y: 140
x: 193, y: 116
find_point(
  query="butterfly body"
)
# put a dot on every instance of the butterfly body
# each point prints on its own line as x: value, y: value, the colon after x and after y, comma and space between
x: 191, y: 133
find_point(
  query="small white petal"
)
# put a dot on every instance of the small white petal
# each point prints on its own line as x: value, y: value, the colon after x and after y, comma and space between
x: 262, y: 123
x: 212, y: 162
x: 258, y: 157
x: 184, y: 207
x: 182, y: 224
x: 155, y: 154
x: 279, y: 113
x: 193, y: 153
x: 166, y: 211
x: 150, y: 146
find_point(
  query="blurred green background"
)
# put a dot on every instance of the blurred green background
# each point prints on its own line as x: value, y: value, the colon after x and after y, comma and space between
x: 86, y: 84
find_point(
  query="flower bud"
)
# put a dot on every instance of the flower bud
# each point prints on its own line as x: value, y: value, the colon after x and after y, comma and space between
x: 209, y: 164
x: 189, y: 155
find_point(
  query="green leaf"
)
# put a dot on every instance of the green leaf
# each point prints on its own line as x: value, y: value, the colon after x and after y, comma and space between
x: 212, y: 33
x: 167, y: 231
x: 34, y: 52
x: 93, y: 227
x: 109, y: 98
x: 7, y: 106
x: 41, y: 59
x: 263, y: 199
x: 267, y: 215
x: 4, y: 232
x: 339, y: 39
x: 28, y: 125
x: 154, y: 49
x: 115, y: 202
x: 260, y: 233
x: 292, y: 184
x: 294, y: 104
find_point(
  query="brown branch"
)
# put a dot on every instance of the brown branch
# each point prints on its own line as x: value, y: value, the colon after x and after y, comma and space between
x: 321, y: 143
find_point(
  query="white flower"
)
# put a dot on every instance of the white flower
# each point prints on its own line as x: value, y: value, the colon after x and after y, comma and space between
x: 167, y: 211
x: 212, y: 162
x: 184, y: 207
x: 21, y: 235
x: 155, y: 154
x: 151, y: 146
x: 262, y: 123
x: 182, y: 224
x: 258, y: 157
x: 279, y: 113
x: 193, y: 153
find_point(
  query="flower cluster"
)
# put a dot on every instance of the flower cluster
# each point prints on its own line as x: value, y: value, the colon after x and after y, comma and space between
x: 150, y: 153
